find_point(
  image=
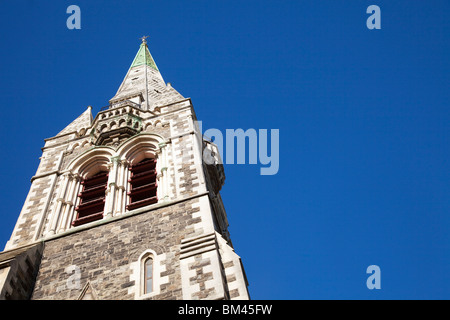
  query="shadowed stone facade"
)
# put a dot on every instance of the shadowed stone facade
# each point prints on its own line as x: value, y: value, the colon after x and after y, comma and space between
x: 56, y: 253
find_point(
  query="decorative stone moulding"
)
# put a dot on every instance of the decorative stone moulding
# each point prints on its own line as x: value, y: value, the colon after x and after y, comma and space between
x: 116, y: 125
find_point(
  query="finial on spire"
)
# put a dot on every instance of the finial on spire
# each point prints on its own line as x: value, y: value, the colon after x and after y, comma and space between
x: 143, y: 39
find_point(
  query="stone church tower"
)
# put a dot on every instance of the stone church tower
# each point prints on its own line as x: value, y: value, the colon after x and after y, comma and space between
x: 122, y: 206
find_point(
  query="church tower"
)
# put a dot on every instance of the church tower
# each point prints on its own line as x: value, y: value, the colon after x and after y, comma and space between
x: 122, y: 206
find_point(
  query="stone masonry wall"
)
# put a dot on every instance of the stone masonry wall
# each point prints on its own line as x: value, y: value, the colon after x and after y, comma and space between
x: 104, y: 254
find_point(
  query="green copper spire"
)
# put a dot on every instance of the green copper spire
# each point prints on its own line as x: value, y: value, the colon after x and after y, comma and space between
x: 144, y: 57
x: 144, y: 83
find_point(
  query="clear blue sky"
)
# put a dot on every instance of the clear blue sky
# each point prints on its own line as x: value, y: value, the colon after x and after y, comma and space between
x: 363, y: 117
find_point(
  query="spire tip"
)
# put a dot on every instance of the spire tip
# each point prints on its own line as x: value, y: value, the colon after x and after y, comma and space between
x: 143, y: 39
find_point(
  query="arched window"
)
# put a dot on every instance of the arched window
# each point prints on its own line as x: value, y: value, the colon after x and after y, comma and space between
x: 148, y: 275
x: 92, y: 199
x: 142, y: 184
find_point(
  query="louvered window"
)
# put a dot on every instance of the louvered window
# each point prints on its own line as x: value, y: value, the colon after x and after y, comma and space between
x: 142, y: 184
x: 92, y: 199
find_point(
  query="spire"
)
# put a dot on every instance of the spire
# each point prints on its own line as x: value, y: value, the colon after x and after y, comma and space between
x: 143, y: 56
x: 144, y: 84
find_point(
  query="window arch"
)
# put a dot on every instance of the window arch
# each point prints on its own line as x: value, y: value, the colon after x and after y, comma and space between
x: 129, y: 177
x: 91, y: 199
x: 143, y: 184
x: 146, y: 273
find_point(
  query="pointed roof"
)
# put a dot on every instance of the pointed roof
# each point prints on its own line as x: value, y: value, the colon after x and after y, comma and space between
x: 84, y: 120
x: 144, y: 57
x: 144, y: 84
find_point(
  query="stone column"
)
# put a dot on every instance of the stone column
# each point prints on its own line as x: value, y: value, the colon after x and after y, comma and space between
x: 69, y: 202
x: 75, y: 201
x: 119, y: 207
x: 111, y: 189
x: 126, y: 186
x: 118, y: 190
x: 59, y: 203
x: 159, y: 191
x: 163, y: 186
